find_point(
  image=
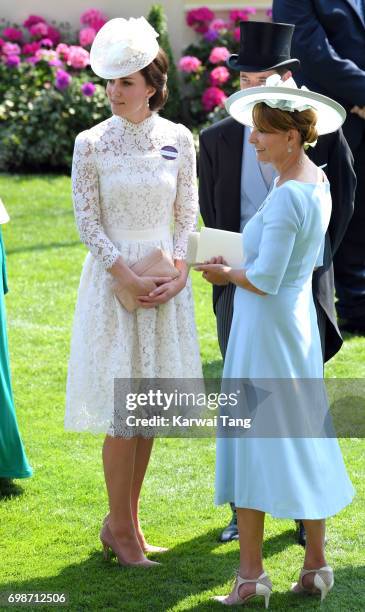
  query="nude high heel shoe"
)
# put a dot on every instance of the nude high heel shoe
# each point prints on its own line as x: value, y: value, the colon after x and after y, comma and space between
x: 263, y: 589
x: 322, y: 583
x: 149, y: 548
x: 110, y: 544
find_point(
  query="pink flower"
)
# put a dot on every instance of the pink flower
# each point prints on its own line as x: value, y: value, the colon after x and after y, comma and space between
x: 93, y: 18
x: 53, y: 34
x: 189, y: 63
x: 55, y: 62
x: 12, y: 61
x: 32, y: 59
x: 269, y: 12
x: 31, y: 48
x: 86, y: 37
x: 219, y: 75
x: 10, y: 49
x: 63, y: 51
x: 199, y: 19
x: 237, y: 34
x: 63, y: 79
x: 219, y: 54
x: 39, y: 30
x: 13, y: 34
x: 88, y: 89
x: 218, y: 24
x: 213, y: 97
x: 46, y: 42
x: 78, y: 57
x: 32, y: 20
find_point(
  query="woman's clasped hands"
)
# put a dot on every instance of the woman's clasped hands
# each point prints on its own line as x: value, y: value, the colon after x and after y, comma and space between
x: 164, y: 288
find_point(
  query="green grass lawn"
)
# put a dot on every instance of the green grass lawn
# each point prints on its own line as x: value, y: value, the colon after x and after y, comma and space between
x: 49, y: 534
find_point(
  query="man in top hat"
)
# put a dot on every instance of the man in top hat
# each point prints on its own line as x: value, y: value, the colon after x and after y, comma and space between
x: 233, y: 184
x: 329, y: 39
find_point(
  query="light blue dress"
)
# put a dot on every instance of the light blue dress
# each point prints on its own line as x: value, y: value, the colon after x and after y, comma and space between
x: 276, y: 337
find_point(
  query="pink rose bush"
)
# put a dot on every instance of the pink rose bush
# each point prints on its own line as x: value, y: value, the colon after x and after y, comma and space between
x: 218, y: 55
x: 13, y: 34
x: 203, y: 65
x: 189, y: 64
x: 78, y: 57
x: 213, y: 97
x: 219, y: 76
x: 93, y: 19
x: 199, y: 19
x: 37, y: 41
x: 86, y: 37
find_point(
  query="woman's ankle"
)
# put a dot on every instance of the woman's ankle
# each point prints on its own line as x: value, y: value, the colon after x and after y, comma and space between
x: 314, y: 562
x: 251, y: 572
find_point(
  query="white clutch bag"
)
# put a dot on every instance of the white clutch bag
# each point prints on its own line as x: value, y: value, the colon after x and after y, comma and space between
x: 211, y: 242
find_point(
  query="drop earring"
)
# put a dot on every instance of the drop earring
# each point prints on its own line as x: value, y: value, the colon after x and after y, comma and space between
x: 148, y: 102
x: 290, y: 150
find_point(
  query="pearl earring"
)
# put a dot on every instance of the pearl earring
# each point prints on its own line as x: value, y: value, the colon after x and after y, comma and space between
x: 148, y: 102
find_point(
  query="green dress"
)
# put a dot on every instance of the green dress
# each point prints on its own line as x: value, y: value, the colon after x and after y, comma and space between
x: 13, y: 461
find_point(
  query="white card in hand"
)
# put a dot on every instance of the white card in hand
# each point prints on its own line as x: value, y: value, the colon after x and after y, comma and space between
x: 213, y: 242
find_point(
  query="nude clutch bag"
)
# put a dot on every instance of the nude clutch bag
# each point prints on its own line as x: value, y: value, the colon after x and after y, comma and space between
x: 157, y: 263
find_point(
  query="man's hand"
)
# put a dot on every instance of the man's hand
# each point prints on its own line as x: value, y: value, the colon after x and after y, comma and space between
x: 359, y: 110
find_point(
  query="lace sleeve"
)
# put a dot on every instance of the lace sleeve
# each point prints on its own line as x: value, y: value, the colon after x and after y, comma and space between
x: 85, y: 189
x: 186, y: 203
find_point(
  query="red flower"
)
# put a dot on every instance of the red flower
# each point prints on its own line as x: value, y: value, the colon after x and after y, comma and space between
x: 53, y: 34
x: 199, y: 19
x: 32, y: 20
x: 31, y: 48
x: 13, y: 34
x: 213, y: 97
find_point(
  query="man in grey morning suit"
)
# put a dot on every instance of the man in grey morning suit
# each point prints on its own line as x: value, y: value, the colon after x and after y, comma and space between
x: 233, y: 184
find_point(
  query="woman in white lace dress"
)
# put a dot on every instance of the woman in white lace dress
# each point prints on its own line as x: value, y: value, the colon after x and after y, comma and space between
x: 133, y: 179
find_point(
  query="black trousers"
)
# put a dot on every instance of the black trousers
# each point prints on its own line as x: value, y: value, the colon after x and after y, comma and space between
x: 349, y: 261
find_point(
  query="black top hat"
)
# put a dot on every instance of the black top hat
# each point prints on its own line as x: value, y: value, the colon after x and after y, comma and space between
x: 263, y: 46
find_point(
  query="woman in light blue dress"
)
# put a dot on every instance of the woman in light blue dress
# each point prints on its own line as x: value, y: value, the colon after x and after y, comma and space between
x: 274, y: 335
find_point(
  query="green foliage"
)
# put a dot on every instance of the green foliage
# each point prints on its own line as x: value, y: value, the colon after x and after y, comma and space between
x: 39, y: 123
x: 158, y: 20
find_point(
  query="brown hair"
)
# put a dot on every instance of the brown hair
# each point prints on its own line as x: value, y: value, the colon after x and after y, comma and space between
x: 155, y: 75
x: 273, y: 120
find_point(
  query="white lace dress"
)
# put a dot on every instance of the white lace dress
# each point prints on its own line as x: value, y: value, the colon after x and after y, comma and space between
x: 134, y: 188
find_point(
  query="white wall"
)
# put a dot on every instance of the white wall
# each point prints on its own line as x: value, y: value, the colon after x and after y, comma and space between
x: 70, y: 10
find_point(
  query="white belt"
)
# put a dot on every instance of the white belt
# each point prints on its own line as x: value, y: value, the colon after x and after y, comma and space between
x: 152, y: 233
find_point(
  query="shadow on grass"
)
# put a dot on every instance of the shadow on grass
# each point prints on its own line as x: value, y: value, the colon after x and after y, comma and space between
x: 189, y: 569
x: 213, y: 369
x: 9, y: 490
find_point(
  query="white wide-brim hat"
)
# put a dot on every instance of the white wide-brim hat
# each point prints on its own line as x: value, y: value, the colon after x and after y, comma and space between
x: 4, y: 217
x: 122, y: 47
x: 285, y: 95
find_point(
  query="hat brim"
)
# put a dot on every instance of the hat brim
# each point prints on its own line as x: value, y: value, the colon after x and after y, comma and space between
x: 330, y: 113
x: 232, y: 62
x: 109, y: 72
